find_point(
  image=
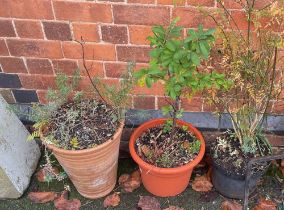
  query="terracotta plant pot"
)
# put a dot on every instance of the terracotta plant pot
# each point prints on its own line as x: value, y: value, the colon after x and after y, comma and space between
x: 165, y: 182
x: 92, y: 171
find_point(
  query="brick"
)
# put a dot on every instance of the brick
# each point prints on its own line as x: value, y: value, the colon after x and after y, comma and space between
x: 141, y: 1
x: 115, y: 70
x: 163, y: 101
x: 28, y: 9
x: 278, y: 107
x: 28, y: 29
x: 3, y: 48
x: 172, y: 2
x: 206, y: 3
x: 37, y: 82
x: 141, y: 15
x: 9, y: 81
x: 39, y: 66
x: 114, y: 34
x: 240, y: 20
x: 93, y: 51
x: 65, y: 66
x: 7, y: 29
x: 113, y: 0
x: 25, y: 96
x: 88, y: 31
x: 157, y: 89
x: 13, y: 65
x: 131, y: 53
x: 191, y: 18
x: 57, y: 31
x: 85, y: 83
x: 144, y: 102
x: 7, y: 95
x: 192, y: 104
x: 41, y: 94
x: 139, y: 34
x: 95, y: 69
x: 82, y: 11
x: 33, y: 48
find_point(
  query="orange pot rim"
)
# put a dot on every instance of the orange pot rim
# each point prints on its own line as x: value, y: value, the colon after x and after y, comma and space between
x: 152, y: 168
x: 83, y: 151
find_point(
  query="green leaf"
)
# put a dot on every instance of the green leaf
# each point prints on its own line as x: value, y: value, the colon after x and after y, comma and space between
x: 203, y: 50
x: 170, y: 45
x: 195, y: 59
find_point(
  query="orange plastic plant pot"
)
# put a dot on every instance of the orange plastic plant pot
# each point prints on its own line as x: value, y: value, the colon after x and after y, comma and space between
x: 165, y: 182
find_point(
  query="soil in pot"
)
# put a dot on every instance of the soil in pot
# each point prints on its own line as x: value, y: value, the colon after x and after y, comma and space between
x: 230, y: 165
x: 158, y: 147
x: 81, y: 124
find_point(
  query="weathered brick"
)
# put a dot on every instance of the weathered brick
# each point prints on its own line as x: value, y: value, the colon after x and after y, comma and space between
x: 191, y: 17
x: 278, y: 107
x: 207, y: 3
x: 114, y: 34
x: 141, y: 1
x: 41, y: 94
x: 144, y: 102
x: 29, y: 29
x: 37, y: 82
x: 39, y: 66
x: 163, y: 101
x: 25, y: 96
x: 7, y: 29
x: 92, y: 51
x: 9, y: 81
x: 157, y: 89
x: 193, y: 105
x: 65, y: 66
x: 240, y: 20
x: 88, y: 31
x: 33, y: 48
x: 133, y: 53
x: 115, y: 70
x: 3, y: 48
x: 57, y: 31
x: 7, y: 95
x: 82, y: 11
x: 139, y: 34
x: 94, y: 68
x: 113, y: 0
x: 172, y: 2
x: 13, y: 65
x: 141, y: 15
x: 28, y: 9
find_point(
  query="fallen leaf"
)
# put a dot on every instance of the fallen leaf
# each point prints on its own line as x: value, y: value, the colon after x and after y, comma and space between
x: 123, y: 178
x: 41, y: 197
x: 174, y: 208
x: 41, y: 174
x: 231, y: 205
x: 146, y: 150
x: 132, y: 183
x: 202, y: 184
x: 62, y: 203
x: 264, y: 204
x: 112, y: 200
x: 149, y: 203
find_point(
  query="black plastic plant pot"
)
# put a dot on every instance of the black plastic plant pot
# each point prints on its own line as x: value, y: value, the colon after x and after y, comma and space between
x: 232, y: 185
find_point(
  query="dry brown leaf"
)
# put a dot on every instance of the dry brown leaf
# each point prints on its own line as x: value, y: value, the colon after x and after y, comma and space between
x: 133, y: 182
x: 174, y: 208
x: 146, y: 150
x: 123, y: 178
x: 112, y: 200
x: 40, y: 175
x: 42, y: 197
x: 62, y: 203
x: 231, y: 205
x: 265, y: 205
x: 149, y: 203
x: 202, y: 184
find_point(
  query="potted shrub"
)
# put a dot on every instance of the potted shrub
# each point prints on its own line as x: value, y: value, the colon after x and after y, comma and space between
x: 84, y: 133
x: 168, y: 149
x: 251, y: 60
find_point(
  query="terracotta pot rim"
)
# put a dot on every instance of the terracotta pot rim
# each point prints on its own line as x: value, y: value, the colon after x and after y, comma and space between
x: 65, y: 151
x: 153, y: 168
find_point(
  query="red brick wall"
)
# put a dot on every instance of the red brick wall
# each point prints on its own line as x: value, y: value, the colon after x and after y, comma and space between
x: 36, y: 42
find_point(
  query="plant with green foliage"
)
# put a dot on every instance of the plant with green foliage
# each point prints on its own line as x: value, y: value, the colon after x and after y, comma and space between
x: 176, y: 62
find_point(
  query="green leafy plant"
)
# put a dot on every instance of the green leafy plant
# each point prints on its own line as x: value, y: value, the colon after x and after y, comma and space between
x: 175, y: 61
